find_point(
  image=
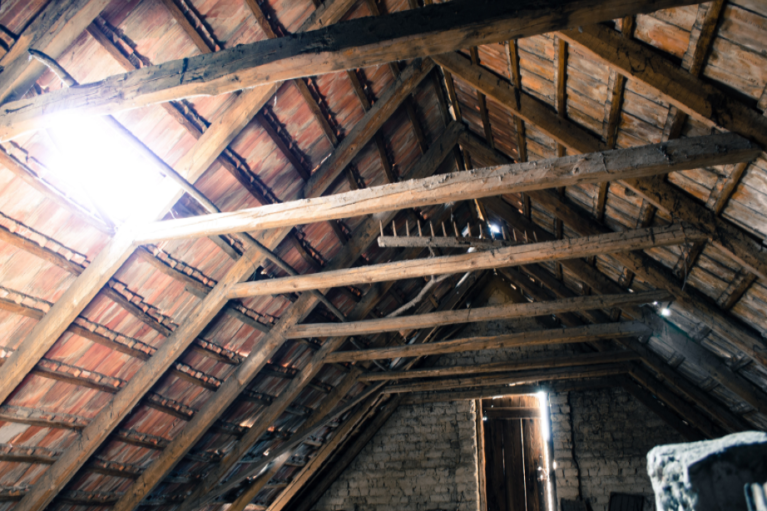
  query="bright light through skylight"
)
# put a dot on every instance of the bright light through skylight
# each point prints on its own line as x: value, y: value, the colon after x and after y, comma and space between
x: 112, y: 176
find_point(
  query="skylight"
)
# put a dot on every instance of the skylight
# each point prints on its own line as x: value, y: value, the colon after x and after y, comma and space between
x: 111, y: 176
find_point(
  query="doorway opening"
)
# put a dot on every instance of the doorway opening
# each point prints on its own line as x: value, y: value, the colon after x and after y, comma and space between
x: 515, y: 464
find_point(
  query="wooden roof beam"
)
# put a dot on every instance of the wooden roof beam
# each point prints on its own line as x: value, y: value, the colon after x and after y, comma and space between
x: 451, y: 301
x: 348, y: 452
x: 209, y: 146
x: 662, y: 195
x: 522, y: 377
x: 481, y: 260
x: 607, y: 357
x: 405, y: 35
x: 549, y: 123
x: 364, y: 235
x: 627, y: 163
x: 650, y: 358
x: 673, y: 380
x: 60, y: 473
x: 616, y: 86
x: 660, y: 409
x: 508, y: 311
x: 52, y: 30
x: 682, y: 89
x: 697, y: 304
x: 532, y: 338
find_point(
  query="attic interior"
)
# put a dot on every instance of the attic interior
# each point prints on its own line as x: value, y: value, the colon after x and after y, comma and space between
x: 376, y: 254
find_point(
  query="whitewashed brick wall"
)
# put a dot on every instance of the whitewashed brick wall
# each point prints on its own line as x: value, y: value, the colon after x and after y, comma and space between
x: 423, y: 458
x: 613, y: 433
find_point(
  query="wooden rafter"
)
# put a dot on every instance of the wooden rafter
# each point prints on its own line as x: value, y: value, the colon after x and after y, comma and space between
x: 54, y: 28
x: 556, y: 288
x: 666, y: 197
x: 364, y: 235
x: 625, y: 163
x: 542, y: 337
x: 684, y: 90
x: 616, y: 89
x: 470, y: 316
x: 549, y: 123
x: 404, y: 34
x: 456, y: 295
x: 195, y: 162
x: 650, y: 273
x: 660, y: 366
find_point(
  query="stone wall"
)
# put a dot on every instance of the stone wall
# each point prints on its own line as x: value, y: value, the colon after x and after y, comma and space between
x: 423, y: 458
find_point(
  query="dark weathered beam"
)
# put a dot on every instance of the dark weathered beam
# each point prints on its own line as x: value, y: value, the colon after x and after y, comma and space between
x: 314, y: 464
x: 358, y: 43
x: 228, y: 392
x: 570, y: 248
x: 535, y: 338
x: 565, y: 212
x: 682, y: 89
x: 561, y: 373
x: 508, y: 311
x: 346, y: 455
x: 208, y: 147
x: 664, y: 196
x: 612, y: 122
x: 640, y: 264
x: 694, y: 65
x: 503, y: 367
x: 449, y: 302
x: 727, y: 237
x: 679, y: 405
x: 504, y: 390
x: 660, y: 409
x: 627, y: 164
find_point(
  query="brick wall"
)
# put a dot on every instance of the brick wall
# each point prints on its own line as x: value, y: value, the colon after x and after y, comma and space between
x: 423, y: 458
x: 612, y: 433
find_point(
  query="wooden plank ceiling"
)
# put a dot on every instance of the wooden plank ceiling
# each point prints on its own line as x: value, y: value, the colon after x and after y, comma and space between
x: 167, y: 373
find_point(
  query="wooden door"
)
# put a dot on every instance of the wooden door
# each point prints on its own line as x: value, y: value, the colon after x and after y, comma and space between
x: 513, y: 454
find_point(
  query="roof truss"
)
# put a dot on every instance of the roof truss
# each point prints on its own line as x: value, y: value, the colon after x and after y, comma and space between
x: 213, y: 144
